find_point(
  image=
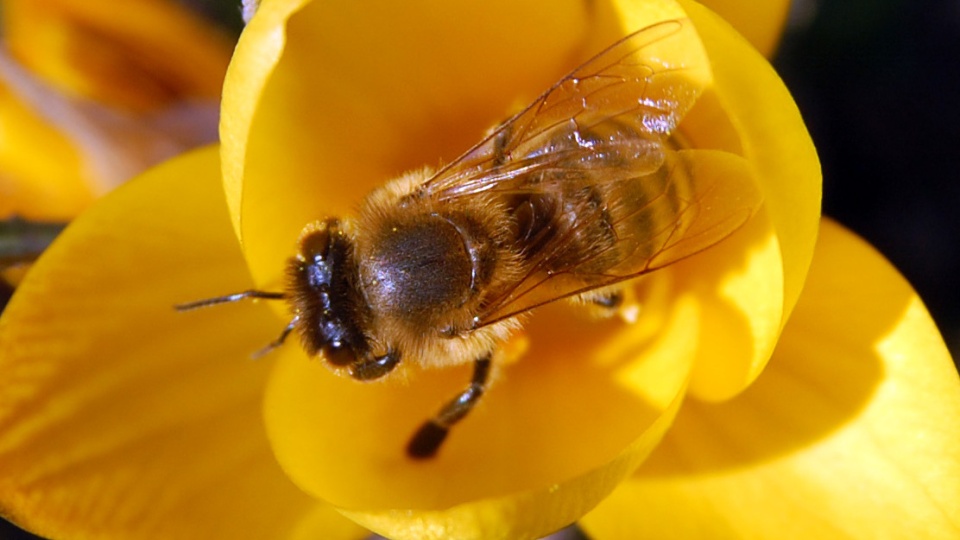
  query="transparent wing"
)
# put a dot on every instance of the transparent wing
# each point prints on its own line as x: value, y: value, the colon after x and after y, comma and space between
x: 695, y: 200
x: 587, y: 170
x: 644, y: 83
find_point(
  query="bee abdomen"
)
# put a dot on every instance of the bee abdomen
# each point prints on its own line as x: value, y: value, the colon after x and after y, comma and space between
x: 566, y: 230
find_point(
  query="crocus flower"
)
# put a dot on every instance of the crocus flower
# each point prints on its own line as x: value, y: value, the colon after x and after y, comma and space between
x: 91, y: 95
x: 756, y: 395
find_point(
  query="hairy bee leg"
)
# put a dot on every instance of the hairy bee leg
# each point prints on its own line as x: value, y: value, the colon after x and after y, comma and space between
x: 373, y: 368
x: 235, y: 297
x: 277, y: 342
x: 427, y: 440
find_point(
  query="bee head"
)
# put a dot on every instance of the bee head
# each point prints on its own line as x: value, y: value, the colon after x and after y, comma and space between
x: 328, y: 307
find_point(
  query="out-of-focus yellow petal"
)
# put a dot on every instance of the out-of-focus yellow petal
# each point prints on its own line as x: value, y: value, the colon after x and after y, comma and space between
x: 851, y: 431
x: 91, y: 95
x: 41, y: 175
x: 324, y: 522
x: 120, y: 418
x: 760, y: 22
x: 59, y: 152
x: 749, y: 111
x: 147, y: 54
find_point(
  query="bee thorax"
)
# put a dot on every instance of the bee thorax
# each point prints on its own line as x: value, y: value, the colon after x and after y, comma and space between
x: 419, y: 268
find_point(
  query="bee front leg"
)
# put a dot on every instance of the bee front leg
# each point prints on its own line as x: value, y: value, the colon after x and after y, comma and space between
x: 427, y: 440
x: 367, y: 369
x: 279, y: 341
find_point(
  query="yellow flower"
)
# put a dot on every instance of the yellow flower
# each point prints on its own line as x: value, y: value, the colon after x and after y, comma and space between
x: 850, y: 432
x: 120, y: 418
x: 91, y: 95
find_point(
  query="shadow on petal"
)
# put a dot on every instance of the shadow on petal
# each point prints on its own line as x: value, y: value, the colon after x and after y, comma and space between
x: 824, y: 372
x: 850, y: 432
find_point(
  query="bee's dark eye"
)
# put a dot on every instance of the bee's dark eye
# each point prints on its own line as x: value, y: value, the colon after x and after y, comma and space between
x: 315, y: 244
x: 339, y: 356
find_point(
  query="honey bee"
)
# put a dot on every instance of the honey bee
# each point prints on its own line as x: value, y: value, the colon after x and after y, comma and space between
x: 576, y: 193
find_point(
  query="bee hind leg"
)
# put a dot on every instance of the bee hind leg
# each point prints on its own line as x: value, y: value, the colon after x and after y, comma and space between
x: 427, y: 440
x: 610, y: 299
x: 614, y: 301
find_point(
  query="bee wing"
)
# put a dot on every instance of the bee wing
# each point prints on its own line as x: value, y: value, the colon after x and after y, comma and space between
x: 645, y: 82
x: 698, y: 198
x: 605, y: 126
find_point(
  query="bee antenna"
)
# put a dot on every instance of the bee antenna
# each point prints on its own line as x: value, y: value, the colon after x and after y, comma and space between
x: 235, y: 297
x: 277, y: 342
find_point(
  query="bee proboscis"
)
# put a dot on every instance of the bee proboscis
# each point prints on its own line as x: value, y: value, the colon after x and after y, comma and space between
x: 578, y: 192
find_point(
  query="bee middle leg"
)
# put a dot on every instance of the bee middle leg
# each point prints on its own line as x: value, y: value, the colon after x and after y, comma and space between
x: 427, y: 440
x: 279, y: 341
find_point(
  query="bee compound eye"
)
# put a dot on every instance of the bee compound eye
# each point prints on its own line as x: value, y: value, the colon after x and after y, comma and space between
x: 315, y: 244
x: 317, y: 238
x: 339, y: 355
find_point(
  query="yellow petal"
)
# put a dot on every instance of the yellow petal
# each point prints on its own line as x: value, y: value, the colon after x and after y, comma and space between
x: 149, y: 53
x: 749, y: 283
x: 750, y: 112
x: 739, y: 284
x: 92, y: 95
x: 851, y: 431
x: 41, y: 172
x: 760, y: 22
x: 774, y: 138
x: 254, y: 59
x: 511, y: 469
x: 120, y: 418
x: 60, y: 152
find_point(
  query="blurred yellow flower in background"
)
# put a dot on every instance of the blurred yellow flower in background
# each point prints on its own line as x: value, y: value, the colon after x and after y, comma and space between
x: 776, y: 385
x: 91, y: 95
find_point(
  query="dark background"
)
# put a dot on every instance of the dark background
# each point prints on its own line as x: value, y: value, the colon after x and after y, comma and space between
x: 878, y: 82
